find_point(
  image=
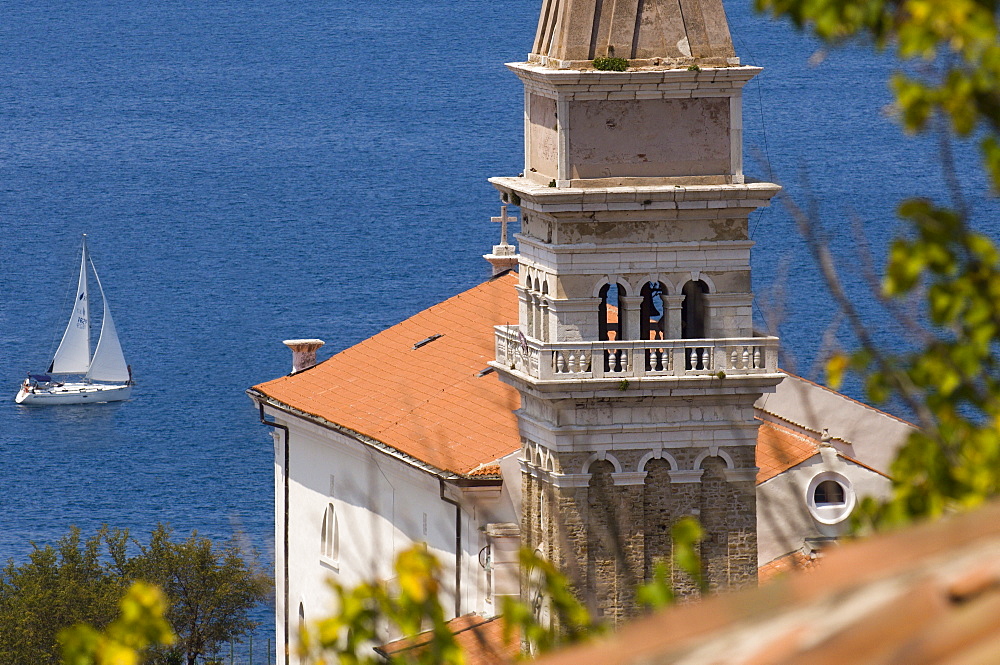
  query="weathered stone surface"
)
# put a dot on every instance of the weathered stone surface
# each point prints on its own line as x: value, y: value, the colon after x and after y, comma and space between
x: 653, y: 32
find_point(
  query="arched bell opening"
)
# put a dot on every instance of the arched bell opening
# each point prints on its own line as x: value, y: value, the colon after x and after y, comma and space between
x: 652, y: 324
x: 694, y: 311
x: 609, y: 325
x: 609, y: 315
x: 694, y: 324
x: 544, y: 308
x: 651, y: 318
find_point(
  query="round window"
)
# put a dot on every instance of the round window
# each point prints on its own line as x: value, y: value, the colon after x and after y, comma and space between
x: 830, y: 497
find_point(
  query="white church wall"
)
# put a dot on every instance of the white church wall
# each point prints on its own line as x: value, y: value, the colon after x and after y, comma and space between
x: 382, y: 505
x: 786, y: 519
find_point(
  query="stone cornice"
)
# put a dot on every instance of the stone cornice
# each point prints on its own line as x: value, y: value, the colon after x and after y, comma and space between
x: 567, y: 81
x: 535, y: 197
x: 678, y: 477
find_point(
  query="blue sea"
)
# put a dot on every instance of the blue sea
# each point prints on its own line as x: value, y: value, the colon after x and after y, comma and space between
x: 255, y: 171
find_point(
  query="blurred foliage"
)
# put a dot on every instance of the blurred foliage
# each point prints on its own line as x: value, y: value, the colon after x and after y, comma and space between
x: 411, y: 605
x: 660, y: 592
x: 548, y: 614
x: 140, y: 624
x: 71, y: 593
x: 408, y: 605
x: 949, y: 81
x: 553, y: 616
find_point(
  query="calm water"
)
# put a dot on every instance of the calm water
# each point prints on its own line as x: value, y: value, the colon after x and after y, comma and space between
x: 249, y: 172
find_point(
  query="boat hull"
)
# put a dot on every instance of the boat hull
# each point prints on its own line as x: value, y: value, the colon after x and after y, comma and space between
x: 75, y: 393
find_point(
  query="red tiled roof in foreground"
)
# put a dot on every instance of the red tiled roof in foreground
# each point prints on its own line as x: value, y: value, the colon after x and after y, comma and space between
x: 481, y: 640
x: 427, y: 402
x: 927, y: 595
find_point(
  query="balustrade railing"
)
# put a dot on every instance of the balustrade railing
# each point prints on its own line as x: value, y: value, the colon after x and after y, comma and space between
x: 636, y: 358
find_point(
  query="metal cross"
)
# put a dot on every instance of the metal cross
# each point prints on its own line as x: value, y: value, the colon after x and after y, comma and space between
x: 503, y: 219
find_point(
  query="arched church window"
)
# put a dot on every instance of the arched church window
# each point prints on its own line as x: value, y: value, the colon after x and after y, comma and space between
x: 829, y: 493
x: 330, y: 537
x: 830, y: 497
x: 694, y: 312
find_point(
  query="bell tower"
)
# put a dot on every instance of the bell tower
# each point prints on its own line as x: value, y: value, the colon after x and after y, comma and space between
x: 634, y: 353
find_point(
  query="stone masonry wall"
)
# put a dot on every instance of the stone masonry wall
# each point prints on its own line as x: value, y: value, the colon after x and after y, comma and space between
x: 608, y: 536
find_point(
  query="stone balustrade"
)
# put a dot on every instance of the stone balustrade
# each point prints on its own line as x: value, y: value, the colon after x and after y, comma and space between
x: 635, y: 358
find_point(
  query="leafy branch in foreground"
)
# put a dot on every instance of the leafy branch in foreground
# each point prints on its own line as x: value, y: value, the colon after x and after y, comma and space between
x: 553, y: 616
x: 950, y: 379
x: 140, y: 624
x: 659, y: 592
x: 369, y: 612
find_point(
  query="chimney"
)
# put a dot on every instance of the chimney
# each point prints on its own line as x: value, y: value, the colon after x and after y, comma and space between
x: 303, y: 352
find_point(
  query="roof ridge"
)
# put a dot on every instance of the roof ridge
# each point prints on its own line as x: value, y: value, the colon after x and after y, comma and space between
x: 847, y: 397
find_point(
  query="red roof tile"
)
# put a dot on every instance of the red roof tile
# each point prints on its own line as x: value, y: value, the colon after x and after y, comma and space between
x: 927, y: 595
x: 785, y: 564
x: 486, y: 470
x: 780, y: 448
x: 427, y: 402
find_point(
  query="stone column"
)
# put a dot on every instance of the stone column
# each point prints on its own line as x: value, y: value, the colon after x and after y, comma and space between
x: 743, y: 527
x: 686, y: 489
x: 523, y: 309
x: 628, y: 316
x: 573, y: 319
x: 672, y: 310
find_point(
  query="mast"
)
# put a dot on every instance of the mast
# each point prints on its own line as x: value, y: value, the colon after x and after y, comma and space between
x: 73, y: 354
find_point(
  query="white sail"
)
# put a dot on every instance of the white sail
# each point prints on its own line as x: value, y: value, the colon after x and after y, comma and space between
x: 73, y: 354
x: 109, y: 361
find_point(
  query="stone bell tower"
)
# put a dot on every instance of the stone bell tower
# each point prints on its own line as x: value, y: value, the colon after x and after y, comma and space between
x: 635, y: 355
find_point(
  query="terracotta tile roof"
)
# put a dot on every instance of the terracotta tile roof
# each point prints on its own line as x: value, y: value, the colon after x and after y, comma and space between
x: 780, y: 448
x: 486, y: 470
x: 926, y: 595
x: 482, y: 641
x: 427, y: 402
x: 785, y: 564
x: 431, y: 403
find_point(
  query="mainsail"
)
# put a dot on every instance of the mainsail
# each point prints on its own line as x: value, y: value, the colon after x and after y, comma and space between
x: 108, y: 363
x: 73, y: 354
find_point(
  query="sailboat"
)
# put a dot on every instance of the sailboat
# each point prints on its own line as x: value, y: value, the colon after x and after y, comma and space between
x: 105, y: 375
